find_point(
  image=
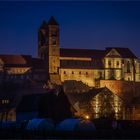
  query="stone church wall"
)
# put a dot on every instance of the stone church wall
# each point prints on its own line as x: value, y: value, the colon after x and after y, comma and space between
x: 125, y: 89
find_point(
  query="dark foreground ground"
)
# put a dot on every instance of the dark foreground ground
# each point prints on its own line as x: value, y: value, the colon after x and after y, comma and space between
x: 104, y: 130
x: 98, y: 134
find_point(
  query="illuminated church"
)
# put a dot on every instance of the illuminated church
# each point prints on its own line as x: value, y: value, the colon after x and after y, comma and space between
x: 112, y: 72
x: 61, y: 64
x: 86, y: 65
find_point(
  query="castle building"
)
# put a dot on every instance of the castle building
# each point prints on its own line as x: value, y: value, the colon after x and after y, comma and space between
x: 86, y: 65
x: 114, y: 72
x: 60, y: 64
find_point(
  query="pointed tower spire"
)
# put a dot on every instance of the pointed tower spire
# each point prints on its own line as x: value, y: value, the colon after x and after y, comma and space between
x: 52, y: 21
x: 44, y: 25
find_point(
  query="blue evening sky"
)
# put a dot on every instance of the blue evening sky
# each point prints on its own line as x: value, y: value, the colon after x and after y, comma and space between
x: 92, y: 25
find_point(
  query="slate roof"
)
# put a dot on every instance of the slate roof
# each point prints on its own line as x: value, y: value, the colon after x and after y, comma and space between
x: 82, y: 53
x: 78, y: 64
x: 20, y: 60
x: 96, y: 55
x: 124, y: 52
x: 52, y: 21
x: 83, y: 97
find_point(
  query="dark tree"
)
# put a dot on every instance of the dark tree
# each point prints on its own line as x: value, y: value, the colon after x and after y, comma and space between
x: 63, y: 106
x: 55, y: 105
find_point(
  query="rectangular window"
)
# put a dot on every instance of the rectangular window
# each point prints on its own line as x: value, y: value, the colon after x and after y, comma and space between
x: 109, y: 63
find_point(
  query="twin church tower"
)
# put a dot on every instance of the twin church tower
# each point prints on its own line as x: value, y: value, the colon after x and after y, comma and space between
x: 48, y: 46
x: 85, y: 65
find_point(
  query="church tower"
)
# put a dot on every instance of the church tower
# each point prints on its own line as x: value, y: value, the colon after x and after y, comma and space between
x: 48, y: 47
x: 54, y: 49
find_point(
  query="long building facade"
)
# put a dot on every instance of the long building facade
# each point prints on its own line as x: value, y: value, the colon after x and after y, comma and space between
x: 60, y: 64
x: 113, y: 73
x: 84, y: 65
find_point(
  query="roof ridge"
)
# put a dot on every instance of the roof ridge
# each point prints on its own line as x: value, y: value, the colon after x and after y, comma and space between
x: 81, y: 49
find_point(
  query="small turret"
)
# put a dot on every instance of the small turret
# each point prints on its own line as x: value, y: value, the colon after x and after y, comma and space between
x: 52, y: 21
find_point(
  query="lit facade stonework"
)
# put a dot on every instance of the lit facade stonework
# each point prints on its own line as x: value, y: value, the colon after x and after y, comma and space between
x: 60, y: 64
x: 85, y: 65
x: 115, y: 69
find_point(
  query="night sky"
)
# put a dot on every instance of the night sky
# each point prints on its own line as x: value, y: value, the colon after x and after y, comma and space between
x: 92, y: 25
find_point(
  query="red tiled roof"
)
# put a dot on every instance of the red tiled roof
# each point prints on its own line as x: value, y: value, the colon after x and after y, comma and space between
x: 82, y: 53
x: 16, y: 59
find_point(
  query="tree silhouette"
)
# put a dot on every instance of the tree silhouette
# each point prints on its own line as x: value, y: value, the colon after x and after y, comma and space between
x: 55, y: 105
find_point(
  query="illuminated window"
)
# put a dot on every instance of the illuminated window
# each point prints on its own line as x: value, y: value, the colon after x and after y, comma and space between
x: 5, y: 101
